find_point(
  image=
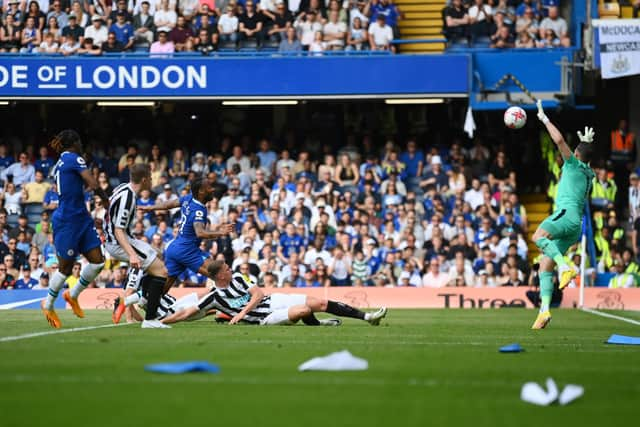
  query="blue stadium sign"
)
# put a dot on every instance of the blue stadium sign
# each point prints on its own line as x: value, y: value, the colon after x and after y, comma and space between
x: 228, y: 77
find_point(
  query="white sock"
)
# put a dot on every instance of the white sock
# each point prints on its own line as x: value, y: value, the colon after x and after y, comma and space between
x: 87, y: 275
x: 131, y: 299
x: 55, y: 284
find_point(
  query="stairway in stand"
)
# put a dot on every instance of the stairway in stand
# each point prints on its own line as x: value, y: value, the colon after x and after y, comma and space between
x: 422, y: 19
x: 538, y: 208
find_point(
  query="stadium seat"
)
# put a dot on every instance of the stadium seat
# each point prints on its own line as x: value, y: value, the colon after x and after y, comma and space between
x: 12, y: 220
x: 482, y: 42
x: 34, y: 209
x: 602, y: 279
x: 609, y: 10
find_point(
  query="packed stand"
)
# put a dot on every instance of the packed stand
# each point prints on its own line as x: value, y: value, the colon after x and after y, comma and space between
x: 503, y: 24
x: 73, y: 27
x: 399, y: 217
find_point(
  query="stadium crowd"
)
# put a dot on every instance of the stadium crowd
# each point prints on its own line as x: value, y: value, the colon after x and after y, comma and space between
x: 91, y: 27
x: 400, y: 216
x: 506, y: 24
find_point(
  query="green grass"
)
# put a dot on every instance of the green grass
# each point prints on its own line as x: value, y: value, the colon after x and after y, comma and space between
x: 426, y: 368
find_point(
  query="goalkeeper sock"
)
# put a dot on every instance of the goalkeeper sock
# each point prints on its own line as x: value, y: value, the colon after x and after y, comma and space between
x: 311, y: 320
x: 550, y: 249
x: 344, y: 310
x: 546, y: 290
x: 55, y: 284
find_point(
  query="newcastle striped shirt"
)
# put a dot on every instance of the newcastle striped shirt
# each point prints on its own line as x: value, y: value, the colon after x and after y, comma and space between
x: 232, y: 299
x: 121, y: 213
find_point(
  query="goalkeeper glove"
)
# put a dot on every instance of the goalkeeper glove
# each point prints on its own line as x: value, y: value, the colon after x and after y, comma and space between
x: 541, y: 115
x: 587, y: 136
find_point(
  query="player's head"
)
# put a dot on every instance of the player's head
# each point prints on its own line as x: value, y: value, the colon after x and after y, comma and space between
x: 140, y: 173
x: 220, y: 272
x: 67, y: 140
x: 202, y: 190
x: 584, y: 152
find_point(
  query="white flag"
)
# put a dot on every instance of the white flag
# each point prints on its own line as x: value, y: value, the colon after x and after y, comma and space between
x: 469, y: 123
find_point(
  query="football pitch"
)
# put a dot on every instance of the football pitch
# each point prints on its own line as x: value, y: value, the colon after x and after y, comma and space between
x: 426, y: 368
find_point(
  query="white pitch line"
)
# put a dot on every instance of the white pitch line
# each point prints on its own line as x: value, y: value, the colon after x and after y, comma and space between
x: 57, y: 331
x: 611, y: 316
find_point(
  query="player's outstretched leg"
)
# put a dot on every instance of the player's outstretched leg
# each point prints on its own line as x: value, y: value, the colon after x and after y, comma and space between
x: 55, y: 284
x: 546, y: 291
x: 87, y: 275
x: 345, y: 310
x: 544, y: 241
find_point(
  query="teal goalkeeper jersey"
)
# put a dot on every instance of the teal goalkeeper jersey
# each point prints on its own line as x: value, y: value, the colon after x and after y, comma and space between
x: 575, y: 185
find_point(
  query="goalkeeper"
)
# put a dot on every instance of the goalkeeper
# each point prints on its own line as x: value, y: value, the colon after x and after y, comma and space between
x: 563, y: 228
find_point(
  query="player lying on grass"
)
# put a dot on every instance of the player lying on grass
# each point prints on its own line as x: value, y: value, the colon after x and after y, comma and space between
x: 563, y: 228
x: 145, y: 266
x: 168, y: 305
x: 184, y: 252
x: 242, y: 300
x: 74, y: 231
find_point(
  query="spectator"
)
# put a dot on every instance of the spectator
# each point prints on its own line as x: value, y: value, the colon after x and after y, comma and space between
x: 31, y: 36
x: 360, y: 10
x: 480, y: 17
x: 181, y: 34
x: 163, y: 45
x: 357, y: 36
x: 501, y: 173
x: 26, y: 281
x: 557, y: 24
x: 20, y: 172
x: 189, y: 8
x: 380, y: 35
x: 279, y: 23
x: 460, y: 273
x: 389, y: 11
x: 291, y: 44
x: 340, y: 268
x: 528, y: 23
x: 125, y: 34
x: 6, y: 280
x: 525, y: 41
x: 10, y: 249
x: 502, y: 39
x: 456, y: 20
x: 82, y: 17
x: 307, y: 25
x: 334, y: 32
x: 49, y: 45
x: 89, y: 48
x: 250, y: 28
x: 57, y: 12
x: 10, y: 35
x: 35, y: 191
x: 143, y: 25
x: 53, y: 29
x: 121, y: 9
x: 228, y: 27
x: 534, y: 5
x: 97, y: 32
x: 549, y: 39
x: 73, y: 29
x: 165, y: 19
x: 35, y: 12
x: 239, y: 158
x: 206, y: 44
x: 70, y: 46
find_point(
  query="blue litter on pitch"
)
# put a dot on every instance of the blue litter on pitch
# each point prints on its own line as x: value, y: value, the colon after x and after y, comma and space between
x: 183, y: 367
x: 511, y: 348
x: 623, y: 340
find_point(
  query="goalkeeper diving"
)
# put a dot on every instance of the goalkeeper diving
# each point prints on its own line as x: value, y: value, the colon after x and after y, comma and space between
x: 563, y: 228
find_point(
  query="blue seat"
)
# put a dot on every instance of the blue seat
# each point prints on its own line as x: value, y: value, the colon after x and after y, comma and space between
x: 35, y: 209
x: 12, y: 220
x: 603, y: 279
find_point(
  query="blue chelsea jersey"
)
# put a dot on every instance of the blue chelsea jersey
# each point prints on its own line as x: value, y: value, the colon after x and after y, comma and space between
x: 70, y: 185
x: 192, y: 211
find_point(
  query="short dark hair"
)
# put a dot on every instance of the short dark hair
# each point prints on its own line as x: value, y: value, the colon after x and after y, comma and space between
x: 196, y: 185
x: 214, y: 268
x: 139, y: 171
x: 585, y: 149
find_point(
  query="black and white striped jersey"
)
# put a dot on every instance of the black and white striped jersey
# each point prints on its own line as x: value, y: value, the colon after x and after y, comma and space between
x: 166, y: 307
x: 121, y: 213
x: 232, y: 299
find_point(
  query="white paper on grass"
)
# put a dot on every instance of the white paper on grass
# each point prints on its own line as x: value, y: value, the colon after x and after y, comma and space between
x: 570, y: 393
x: 534, y: 393
x: 339, y: 361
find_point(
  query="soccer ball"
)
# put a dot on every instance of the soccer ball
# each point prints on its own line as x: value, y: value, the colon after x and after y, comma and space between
x: 515, y: 118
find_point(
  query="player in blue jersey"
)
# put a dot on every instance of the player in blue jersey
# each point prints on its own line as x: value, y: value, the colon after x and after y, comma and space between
x: 74, y: 232
x: 184, y: 251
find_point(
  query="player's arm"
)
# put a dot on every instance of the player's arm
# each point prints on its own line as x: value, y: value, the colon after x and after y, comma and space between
x: 92, y: 183
x: 221, y: 231
x: 256, y: 296
x: 163, y: 206
x: 555, y: 134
